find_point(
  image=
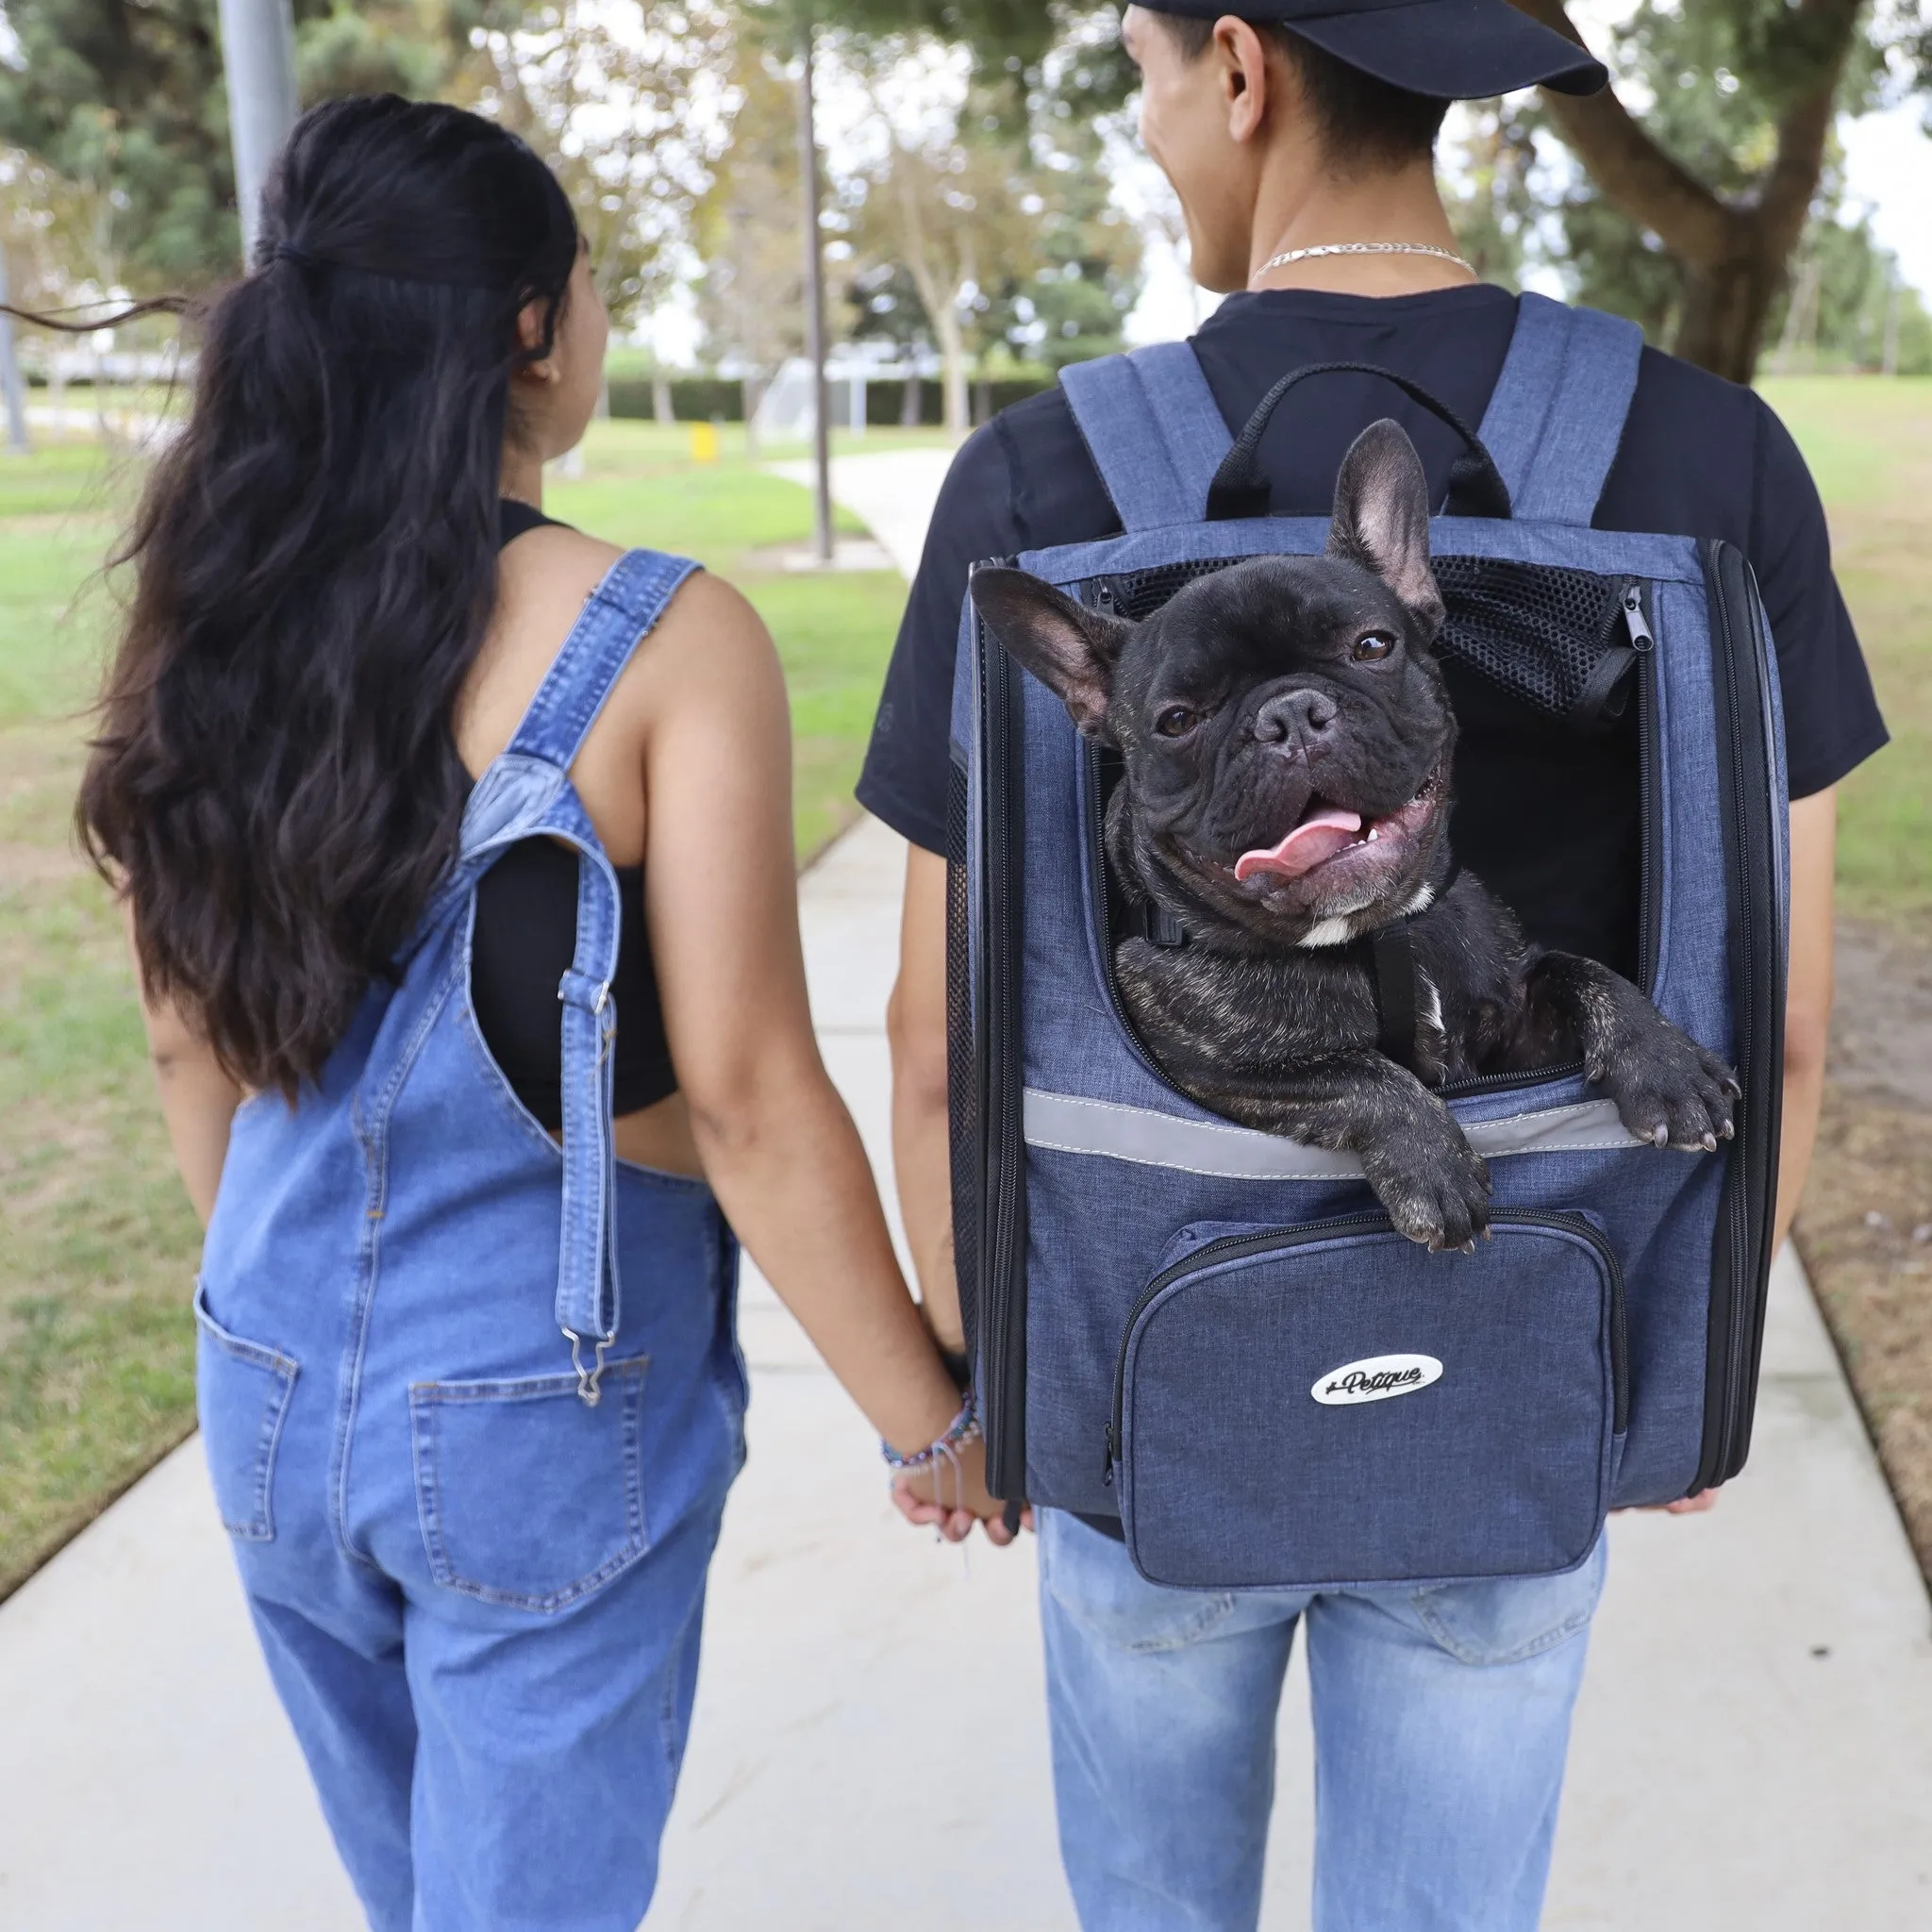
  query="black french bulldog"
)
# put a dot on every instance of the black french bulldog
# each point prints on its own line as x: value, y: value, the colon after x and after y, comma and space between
x: 1286, y: 739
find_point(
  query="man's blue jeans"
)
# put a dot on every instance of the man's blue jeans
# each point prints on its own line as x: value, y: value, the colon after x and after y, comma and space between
x: 1441, y: 1719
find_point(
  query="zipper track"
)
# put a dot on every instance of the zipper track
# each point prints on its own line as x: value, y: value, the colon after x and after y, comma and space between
x: 1741, y: 1263
x: 1236, y: 1247
x: 1002, y: 1207
x: 1649, y: 789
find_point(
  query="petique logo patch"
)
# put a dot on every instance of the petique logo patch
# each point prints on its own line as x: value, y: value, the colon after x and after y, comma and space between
x: 1377, y: 1378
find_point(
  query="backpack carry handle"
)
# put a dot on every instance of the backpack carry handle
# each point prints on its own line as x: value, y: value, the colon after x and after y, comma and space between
x: 1239, y: 489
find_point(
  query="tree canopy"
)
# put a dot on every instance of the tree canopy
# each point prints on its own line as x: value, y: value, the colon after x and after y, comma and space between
x: 124, y: 99
x: 1706, y: 158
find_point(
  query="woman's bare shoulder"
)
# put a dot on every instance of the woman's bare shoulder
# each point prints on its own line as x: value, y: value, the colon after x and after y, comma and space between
x: 558, y: 561
x: 555, y: 559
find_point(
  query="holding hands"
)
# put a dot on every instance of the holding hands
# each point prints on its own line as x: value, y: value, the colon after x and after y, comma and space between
x: 945, y: 1486
x: 950, y: 1493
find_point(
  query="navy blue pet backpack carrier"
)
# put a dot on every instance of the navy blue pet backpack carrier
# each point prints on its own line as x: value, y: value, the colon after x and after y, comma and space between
x: 1214, y: 1332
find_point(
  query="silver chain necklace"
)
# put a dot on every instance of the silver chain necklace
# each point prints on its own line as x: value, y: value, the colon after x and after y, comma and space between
x: 1290, y: 254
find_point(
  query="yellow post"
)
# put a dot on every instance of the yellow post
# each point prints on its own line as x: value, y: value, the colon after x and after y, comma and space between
x: 704, y: 442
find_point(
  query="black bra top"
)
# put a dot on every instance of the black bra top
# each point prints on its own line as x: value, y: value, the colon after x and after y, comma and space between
x: 521, y: 945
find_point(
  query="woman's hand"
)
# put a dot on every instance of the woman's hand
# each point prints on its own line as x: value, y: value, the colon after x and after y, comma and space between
x: 955, y: 1498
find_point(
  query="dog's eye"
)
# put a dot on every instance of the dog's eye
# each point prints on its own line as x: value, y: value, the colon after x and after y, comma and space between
x: 1177, y: 721
x: 1372, y: 645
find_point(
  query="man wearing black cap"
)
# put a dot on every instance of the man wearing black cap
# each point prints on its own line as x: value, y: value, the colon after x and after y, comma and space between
x: 1299, y: 137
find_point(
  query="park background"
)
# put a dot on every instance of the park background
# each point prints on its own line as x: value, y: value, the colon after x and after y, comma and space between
x: 985, y: 222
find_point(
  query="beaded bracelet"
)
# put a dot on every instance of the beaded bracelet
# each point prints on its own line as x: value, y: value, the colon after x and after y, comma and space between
x: 962, y: 1429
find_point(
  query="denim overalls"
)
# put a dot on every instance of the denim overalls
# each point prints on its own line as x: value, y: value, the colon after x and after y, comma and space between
x: 472, y: 1404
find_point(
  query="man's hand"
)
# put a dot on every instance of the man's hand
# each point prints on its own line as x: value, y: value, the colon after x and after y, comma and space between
x: 1684, y: 1506
x: 1692, y: 1506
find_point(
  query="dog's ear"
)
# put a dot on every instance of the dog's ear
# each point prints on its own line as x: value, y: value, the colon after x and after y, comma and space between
x: 1072, y: 650
x: 1382, y: 517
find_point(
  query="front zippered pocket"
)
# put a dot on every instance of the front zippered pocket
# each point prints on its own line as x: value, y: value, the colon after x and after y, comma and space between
x: 1330, y: 1404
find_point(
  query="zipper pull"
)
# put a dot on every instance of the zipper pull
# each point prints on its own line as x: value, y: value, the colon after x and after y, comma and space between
x: 1635, y: 620
x: 1107, y: 1473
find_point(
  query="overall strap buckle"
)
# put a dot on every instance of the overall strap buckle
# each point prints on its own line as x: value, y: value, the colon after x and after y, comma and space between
x: 588, y: 1394
x: 580, y: 991
x: 588, y: 1303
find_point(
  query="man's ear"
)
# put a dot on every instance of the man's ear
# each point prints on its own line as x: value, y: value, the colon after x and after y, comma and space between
x: 1072, y: 650
x: 1382, y: 517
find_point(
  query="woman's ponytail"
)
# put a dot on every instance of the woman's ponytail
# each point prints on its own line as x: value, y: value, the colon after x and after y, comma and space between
x: 276, y: 784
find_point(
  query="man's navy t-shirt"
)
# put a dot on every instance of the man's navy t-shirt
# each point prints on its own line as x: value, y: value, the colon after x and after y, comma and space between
x: 1700, y: 458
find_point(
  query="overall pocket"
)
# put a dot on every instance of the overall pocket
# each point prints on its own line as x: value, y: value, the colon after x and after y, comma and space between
x: 1331, y: 1404
x: 528, y: 1496
x: 241, y: 1392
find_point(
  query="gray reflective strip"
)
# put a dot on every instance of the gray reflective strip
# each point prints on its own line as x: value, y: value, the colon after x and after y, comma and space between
x: 1070, y: 1125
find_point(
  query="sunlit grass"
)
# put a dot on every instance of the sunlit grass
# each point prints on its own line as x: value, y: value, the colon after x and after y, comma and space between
x: 1869, y: 442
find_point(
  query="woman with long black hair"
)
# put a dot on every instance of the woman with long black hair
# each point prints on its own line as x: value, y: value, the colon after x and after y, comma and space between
x: 457, y: 852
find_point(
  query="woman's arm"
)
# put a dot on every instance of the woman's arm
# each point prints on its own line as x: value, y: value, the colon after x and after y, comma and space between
x: 198, y: 1100
x: 721, y: 894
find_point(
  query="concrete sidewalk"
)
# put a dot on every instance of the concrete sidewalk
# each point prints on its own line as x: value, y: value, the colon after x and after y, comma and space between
x: 890, y: 491
x: 1754, y: 1747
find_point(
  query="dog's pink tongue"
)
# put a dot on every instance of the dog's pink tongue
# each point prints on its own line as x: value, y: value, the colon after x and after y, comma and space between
x: 1319, y: 835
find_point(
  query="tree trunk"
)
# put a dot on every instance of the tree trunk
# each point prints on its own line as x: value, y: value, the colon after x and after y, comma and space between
x: 938, y: 295
x: 1720, y: 326
x: 751, y: 390
x: 910, y: 410
x: 1732, y: 255
x: 945, y: 323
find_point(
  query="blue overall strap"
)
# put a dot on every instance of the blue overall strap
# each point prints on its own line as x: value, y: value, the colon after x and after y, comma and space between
x: 617, y: 616
x: 1153, y: 430
x: 1557, y: 415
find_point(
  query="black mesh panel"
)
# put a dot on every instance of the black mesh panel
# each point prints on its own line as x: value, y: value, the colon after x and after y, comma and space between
x: 1545, y: 634
x: 1550, y: 636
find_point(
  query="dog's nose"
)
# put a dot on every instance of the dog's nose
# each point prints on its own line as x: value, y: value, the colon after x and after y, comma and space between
x: 1292, y: 717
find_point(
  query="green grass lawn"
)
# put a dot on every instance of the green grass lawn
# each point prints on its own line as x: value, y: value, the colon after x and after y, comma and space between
x: 834, y: 633
x: 97, y: 1241
x: 1869, y: 442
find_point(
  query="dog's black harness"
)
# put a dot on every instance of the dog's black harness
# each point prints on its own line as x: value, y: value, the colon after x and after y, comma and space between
x: 1389, y: 953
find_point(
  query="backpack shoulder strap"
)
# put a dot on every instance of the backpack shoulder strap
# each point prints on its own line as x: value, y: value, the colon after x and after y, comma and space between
x: 1556, y: 416
x: 1153, y: 430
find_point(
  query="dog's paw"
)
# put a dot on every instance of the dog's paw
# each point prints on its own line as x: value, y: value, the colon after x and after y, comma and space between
x: 1671, y: 1093
x: 1438, y: 1194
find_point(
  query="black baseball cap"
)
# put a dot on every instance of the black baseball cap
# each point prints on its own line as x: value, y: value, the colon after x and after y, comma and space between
x: 1450, y: 50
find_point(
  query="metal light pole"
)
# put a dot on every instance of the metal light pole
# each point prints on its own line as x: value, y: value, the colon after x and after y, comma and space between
x: 10, y: 370
x: 259, y: 58
x: 815, y: 313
